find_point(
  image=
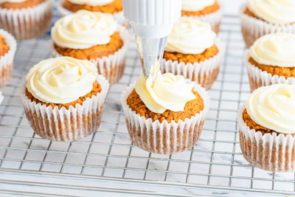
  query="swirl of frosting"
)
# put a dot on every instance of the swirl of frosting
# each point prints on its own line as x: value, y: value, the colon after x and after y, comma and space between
x: 190, y: 36
x: 61, y: 80
x: 274, y: 11
x: 92, y: 2
x: 273, y: 107
x: 83, y: 30
x: 161, y: 92
x: 193, y: 5
x: 275, y: 49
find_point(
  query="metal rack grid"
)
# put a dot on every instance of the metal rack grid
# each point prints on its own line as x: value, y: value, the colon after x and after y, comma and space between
x: 216, y: 162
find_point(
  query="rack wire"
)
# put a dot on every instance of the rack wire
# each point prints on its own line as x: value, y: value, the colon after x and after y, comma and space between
x: 216, y: 161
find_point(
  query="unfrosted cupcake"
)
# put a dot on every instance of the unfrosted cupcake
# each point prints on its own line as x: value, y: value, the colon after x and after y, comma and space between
x: 205, y: 10
x: 114, y: 7
x: 267, y: 128
x: 63, y: 98
x: 264, y: 17
x: 271, y: 60
x: 193, y: 51
x: 25, y: 19
x: 7, y: 52
x: 165, y: 113
x: 95, y: 37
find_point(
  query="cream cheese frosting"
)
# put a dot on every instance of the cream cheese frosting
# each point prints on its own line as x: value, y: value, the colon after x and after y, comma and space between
x: 84, y: 29
x: 161, y: 92
x: 273, y: 107
x: 274, y: 49
x: 196, y: 5
x: 274, y: 11
x: 12, y: 1
x: 190, y: 36
x: 61, y: 80
x: 92, y: 2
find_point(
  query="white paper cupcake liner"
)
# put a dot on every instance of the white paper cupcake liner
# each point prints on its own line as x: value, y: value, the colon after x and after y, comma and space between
x: 214, y: 19
x: 111, y: 67
x: 119, y: 17
x: 259, y: 78
x: 67, y: 124
x: 272, y: 152
x: 204, y: 73
x: 28, y: 22
x: 6, y: 61
x: 164, y: 137
x: 253, y: 28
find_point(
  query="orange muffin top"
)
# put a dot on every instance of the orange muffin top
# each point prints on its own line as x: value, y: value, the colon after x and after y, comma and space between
x: 202, y: 10
x: 62, y: 82
x: 191, y: 41
x: 20, y: 5
x: 269, y: 109
x: 4, y: 48
x: 274, y: 53
x: 86, y: 35
x: 111, y: 7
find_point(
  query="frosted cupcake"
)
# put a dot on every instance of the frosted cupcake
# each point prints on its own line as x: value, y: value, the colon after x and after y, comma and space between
x: 63, y: 98
x: 263, y: 17
x: 271, y: 60
x: 193, y: 51
x: 92, y: 36
x: 267, y: 128
x: 205, y: 10
x: 7, y: 52
x: 165, y: 113
x: 114, y: 7
x: 25, y: 19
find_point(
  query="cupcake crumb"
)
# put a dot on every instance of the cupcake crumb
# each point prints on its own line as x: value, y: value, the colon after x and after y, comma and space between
x: 4, y: 48
x: 113, y: 7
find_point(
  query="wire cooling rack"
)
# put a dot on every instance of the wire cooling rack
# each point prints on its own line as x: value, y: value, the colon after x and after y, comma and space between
x: 108, y: 155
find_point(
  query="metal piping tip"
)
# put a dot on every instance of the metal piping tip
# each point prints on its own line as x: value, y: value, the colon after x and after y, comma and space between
x: 150, y: 50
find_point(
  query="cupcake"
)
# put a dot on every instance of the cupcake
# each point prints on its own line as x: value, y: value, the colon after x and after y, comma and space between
x: 205, y: 10
x: 63, y: 98
x: 95, y: 37
x: 264, y: 17
x: 165, y: 113
x: 193, y: 51
x: 7, y: 52
x: 271, y: 60
x: 25, y: 19
x: 267, y: 128
x: 114, y: 7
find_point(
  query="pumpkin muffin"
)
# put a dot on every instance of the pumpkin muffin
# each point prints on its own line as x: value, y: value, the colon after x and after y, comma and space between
x: 206, y: 10
x: 193, y: 51
x: 271, y: 60
x: 7, y: 52
x: 114, y: 7
x: 25, y: 19
x: 92, y: 36
x: 165, y: 113
x: 264, y: 17
x: 267, y: 128
x: 63, y: 98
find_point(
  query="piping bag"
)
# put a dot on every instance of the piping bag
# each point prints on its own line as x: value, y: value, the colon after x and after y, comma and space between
x: 151, y: 21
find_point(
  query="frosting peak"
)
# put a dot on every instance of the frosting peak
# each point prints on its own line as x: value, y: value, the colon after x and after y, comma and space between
x: 196, y: 5
x: 190, y: 36
x: 273, y: 107
x: 83, y: 29
x: 274, y: 11
x: 61, y: 80
x: 161, y: 92
x: 92, y: 2
x: 275, y: 49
